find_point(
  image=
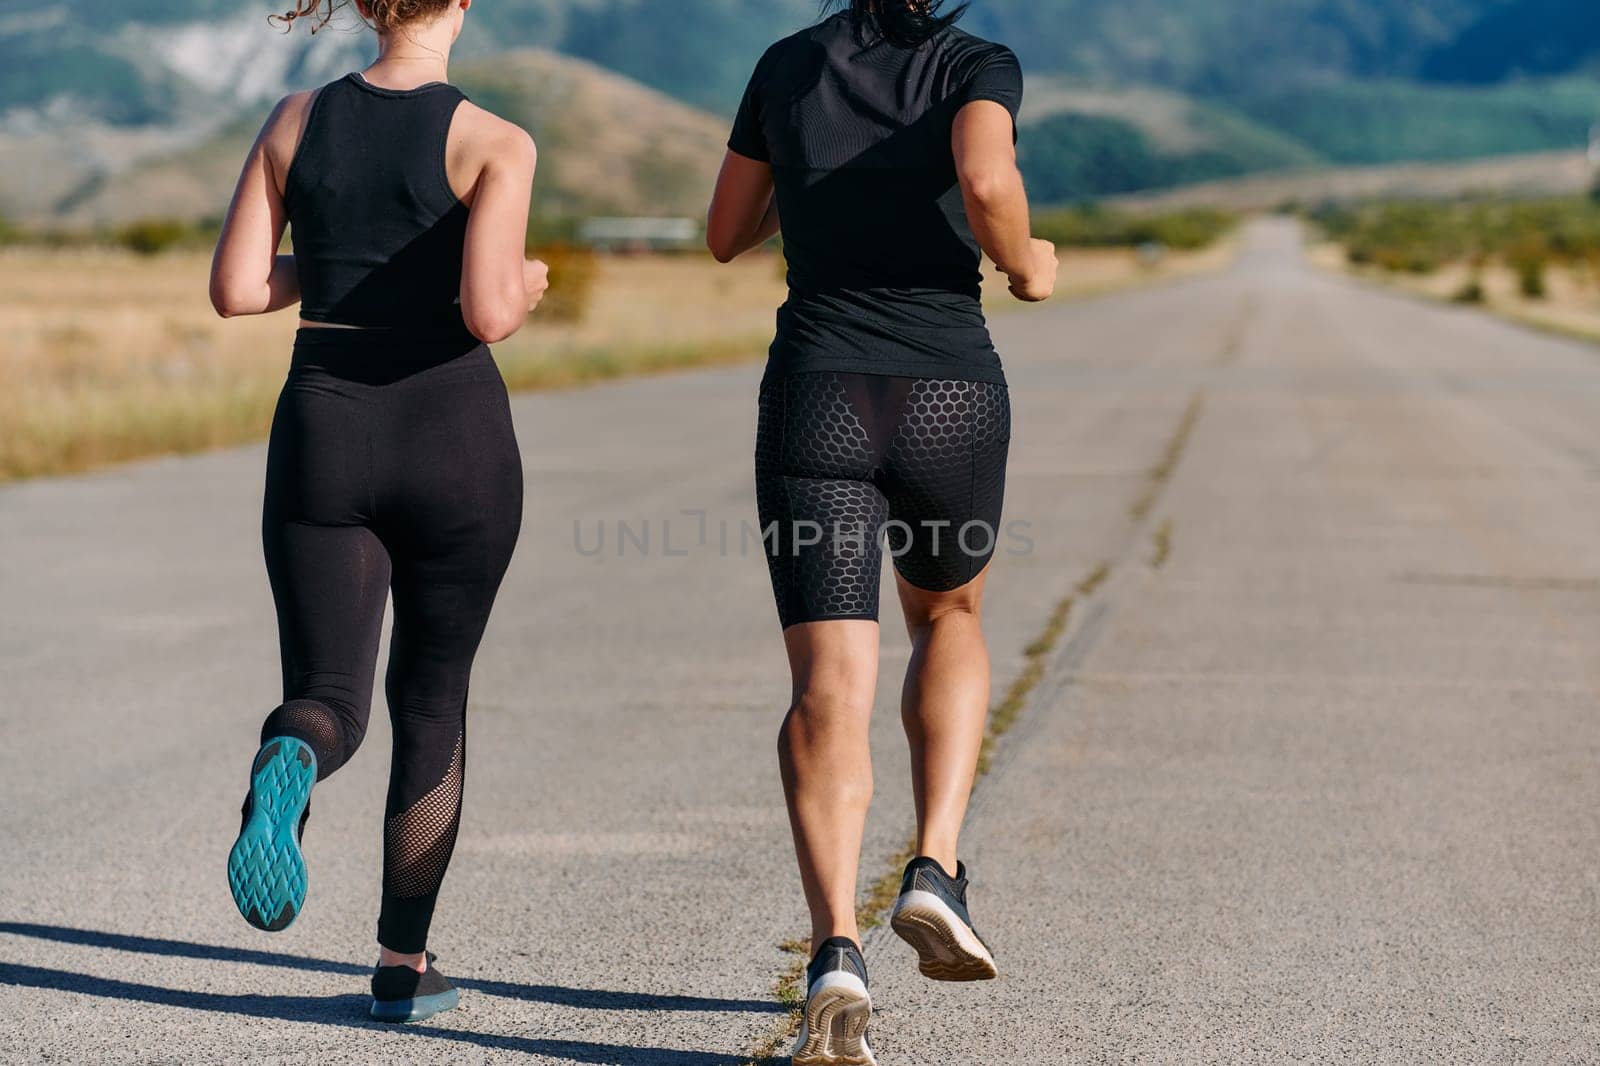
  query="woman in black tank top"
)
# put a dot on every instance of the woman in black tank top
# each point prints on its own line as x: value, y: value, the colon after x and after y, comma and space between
x: 393, y: 467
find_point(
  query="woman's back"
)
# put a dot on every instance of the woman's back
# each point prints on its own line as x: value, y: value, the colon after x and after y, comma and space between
x: 881, y: 144
x: 882, y: 261
x: 857, y: 130
x: 393, y: 464
x: 378, y: 232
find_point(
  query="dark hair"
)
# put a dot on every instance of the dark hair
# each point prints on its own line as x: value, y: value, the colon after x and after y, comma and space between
x: 383, y: 15
x: 907, y: 22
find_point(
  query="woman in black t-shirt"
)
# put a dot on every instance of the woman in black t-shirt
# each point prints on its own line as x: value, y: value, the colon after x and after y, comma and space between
x: 882, y: 143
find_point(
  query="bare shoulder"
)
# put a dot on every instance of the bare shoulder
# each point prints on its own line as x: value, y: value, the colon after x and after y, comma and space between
x: 280, y: 135
x: 483, y: 143
x: 484, y: 138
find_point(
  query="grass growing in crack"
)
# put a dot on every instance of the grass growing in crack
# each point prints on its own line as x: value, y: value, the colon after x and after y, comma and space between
x: 1163, y: 541
x: 1162, y: 472
x: 789, y: 990
x: 874, y: 907
x: 790, y: 987
x: 1037, y: 657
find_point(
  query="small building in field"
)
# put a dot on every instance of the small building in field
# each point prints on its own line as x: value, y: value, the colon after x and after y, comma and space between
x: 640, y: 234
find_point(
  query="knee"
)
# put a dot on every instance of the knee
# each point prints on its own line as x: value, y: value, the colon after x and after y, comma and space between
x: 426, y: 699
x: 334, y: 730
x: 925, y: 610
x: 824, y: 716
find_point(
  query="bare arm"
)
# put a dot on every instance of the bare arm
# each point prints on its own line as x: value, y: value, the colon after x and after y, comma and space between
x: 498, y: 285
x: 248, y: 276
x: 744, y: 209
x: 997, y: 203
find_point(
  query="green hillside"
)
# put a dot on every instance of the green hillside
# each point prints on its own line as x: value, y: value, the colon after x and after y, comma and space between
x: 1095, y: 144
x: 115, y: 88
x: 1386, y: 122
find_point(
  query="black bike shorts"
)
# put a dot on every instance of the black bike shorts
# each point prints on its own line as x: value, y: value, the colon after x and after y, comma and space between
x: 848, y: 463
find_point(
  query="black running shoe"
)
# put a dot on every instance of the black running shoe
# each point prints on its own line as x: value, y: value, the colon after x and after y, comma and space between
x: 401, y: 994
x: 833, y: 1031
x: 931, y: 916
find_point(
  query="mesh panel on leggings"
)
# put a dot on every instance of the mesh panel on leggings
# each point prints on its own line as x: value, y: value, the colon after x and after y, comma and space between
x: 315, y: 724
x: 418, y: 840
x: 840, y: 455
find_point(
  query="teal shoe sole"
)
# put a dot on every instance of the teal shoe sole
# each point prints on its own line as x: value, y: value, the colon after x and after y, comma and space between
x: 401, y: 1011
x: 266, y: 871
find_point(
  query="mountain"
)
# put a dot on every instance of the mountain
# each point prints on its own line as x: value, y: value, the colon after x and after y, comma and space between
x: 132, y: 63
x: 90, y: 88
x: 1080, y: 142
x: 702, y: 50
x: 643, y: 151
x: 83, y: 60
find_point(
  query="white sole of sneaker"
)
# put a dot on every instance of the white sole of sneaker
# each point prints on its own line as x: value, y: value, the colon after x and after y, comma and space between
x: 833, y: 1031
x: 948, y: 950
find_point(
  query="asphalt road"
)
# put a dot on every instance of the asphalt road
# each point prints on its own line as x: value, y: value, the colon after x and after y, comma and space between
x: 1314, y: 776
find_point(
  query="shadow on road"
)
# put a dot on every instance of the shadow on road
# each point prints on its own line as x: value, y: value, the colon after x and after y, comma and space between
x: 556, y: 995
x: 350, y: 1010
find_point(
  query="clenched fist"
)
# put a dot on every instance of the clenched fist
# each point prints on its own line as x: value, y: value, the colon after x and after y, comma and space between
x: 1040, y: 280
x: 536, y: 279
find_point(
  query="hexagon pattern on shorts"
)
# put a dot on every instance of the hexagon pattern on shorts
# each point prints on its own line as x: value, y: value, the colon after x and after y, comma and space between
x: 841, y: 456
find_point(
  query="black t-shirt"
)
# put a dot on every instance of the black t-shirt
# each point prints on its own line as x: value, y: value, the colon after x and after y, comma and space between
x: 883, y: 268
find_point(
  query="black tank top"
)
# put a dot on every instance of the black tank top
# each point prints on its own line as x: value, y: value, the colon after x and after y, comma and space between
x: 378, y: 234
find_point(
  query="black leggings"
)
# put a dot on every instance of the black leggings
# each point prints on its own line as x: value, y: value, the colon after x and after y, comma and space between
x: 846, y: 460
x: 393, y: 467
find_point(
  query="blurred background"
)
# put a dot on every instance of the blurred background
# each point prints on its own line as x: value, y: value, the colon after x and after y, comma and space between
x: 1443, y: 145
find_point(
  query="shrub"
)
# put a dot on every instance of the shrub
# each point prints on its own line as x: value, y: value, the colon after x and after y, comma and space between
x: 1530, y: 278
x: 1093, y: 227
x: 1530, y: 274
x: 1471, y: 292
x: 1189, y: 230
x: 1528, y: 258
x: 1417, y: 237
x: 1335, y: 219
x: 545, y: 230
x: 573, y: 271
x: 1402, y: 258
x: 154, y: 235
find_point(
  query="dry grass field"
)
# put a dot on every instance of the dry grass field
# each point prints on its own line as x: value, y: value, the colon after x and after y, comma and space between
x: 108, y: 356
x: 1571, y: 304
